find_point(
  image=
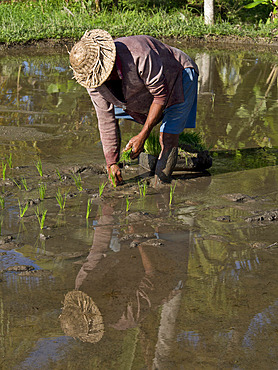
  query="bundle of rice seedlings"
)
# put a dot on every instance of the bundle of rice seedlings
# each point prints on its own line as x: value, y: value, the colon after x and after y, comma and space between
x: 152, y: 145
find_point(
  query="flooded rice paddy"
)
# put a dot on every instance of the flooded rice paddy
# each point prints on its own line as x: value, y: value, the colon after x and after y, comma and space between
x: 137, y: 277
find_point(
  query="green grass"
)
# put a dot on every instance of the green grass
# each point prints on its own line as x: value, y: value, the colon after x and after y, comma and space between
x: 30, y: 20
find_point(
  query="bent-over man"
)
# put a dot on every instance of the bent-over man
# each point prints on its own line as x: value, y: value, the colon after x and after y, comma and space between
x: 151, y: 81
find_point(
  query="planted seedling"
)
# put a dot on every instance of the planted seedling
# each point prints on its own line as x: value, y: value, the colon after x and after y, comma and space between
x: 142, y: 189
x: 41, y: 217
x: 39, y: 167
x: 59, y: 175
x: 42, y: 190
x: 112, y: 177
x: 61, y: 199
x: 101, y: 188
x: 4, y: 168
x: 89, y: 208
x: 17, y: 184
x: 24, y: 183
x: 172, y: 190
x: 22, y: 210
x: 77, y: 180
x: 10, y: 160
x: 2, y: 202
x: 128, y: 203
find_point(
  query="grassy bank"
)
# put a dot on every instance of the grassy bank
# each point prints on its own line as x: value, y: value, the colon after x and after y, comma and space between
x: 22, y: 22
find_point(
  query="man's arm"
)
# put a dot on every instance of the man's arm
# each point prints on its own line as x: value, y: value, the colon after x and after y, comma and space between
x: 138, y: 141
x: 109, y: 134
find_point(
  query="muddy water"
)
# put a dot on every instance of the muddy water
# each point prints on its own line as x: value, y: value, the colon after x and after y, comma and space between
x: 139, y: 283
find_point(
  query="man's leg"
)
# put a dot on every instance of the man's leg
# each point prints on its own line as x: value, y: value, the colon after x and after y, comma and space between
x: 167, y: 158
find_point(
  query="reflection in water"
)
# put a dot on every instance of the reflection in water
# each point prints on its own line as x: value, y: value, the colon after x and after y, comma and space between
x: 119, y: 290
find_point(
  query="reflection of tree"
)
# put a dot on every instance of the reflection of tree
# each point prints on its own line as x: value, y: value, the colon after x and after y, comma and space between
x: 243, y: 113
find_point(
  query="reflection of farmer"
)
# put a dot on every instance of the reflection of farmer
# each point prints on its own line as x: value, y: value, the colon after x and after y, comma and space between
x: 149, y: 80
x: 125, y: 287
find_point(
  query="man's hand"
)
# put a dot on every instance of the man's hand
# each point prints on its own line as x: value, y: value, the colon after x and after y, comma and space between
x: 138, y: 141
x: 114, y: 174
x: 136, y: 144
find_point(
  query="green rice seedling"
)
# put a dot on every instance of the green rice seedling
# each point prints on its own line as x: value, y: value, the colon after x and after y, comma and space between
x: 17, y: 184
x: 112, y: 177
x: 89, y: 208
x: 101, y: 188
x: 61, y: 199
x: 24, y: 183
x: 41, y: 217
x: 59, y: 175
x: 128, y: 203
x: 22, y: 210
x: 9, y: 160
x: 172, y: 190
x: 2, y: 202
x: 78, y: 181
x: 125, y: 156
x: 152, y: 145
x: 39, y: 167
x: 4, y: 168
x: 42, y: 190
x: 142, y: 189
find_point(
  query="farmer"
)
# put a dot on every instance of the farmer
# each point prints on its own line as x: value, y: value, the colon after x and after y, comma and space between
x: 149, y: 80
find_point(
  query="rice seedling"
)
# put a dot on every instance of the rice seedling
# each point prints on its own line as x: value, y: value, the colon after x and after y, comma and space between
x: 9, y: 160
x: 22, y: 210
x: 125, y: 156
x: 152, y: 145
x: 89, y: 208
x: 112, y: 177
x: 59, y: 175
x: 17, y: 184
x: 142, y: 189
x: 42, y: 190
x: 77, y: 181
x: 24, y: 183
x: 128, y: 203
x: 101, y: 188
x: 39, y: 167
x: 41, y: 217
x: 2, y: 202
x: 4, y: 168
x: 172, y: 190
x: 61, y: 199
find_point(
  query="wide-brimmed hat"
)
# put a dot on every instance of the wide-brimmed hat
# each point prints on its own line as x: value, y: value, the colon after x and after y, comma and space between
x: 92, y: 58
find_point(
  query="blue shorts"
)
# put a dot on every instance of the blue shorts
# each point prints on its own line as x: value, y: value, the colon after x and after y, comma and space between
x: 177, y: 117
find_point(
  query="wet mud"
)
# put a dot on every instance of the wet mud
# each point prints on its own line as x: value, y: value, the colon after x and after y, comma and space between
x: 180, y: 276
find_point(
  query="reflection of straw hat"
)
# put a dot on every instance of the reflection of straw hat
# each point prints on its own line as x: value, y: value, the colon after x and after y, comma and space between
x: 81, y: 318
x: 92, y: 58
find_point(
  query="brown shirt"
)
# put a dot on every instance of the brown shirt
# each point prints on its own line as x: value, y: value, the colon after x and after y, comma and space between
x: 149, y: 71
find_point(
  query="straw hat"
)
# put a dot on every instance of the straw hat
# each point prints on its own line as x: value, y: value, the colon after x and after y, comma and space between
x: 92, y: 58
x: 81, y: 318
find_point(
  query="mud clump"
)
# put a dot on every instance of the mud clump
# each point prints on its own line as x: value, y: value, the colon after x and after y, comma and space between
x: 239, y: 198
x: 19, y: 268
x: 7, y: 243
x: 267, y: 216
